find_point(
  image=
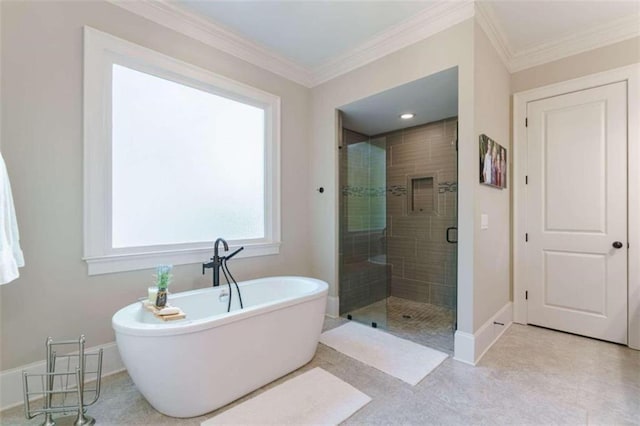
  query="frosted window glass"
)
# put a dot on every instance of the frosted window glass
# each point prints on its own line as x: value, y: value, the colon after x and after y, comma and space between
x: 187, y: 165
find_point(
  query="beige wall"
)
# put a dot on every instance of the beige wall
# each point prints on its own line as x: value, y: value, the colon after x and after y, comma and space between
x: 41, y: 86
x: 449, y: 48
x: 42, y: 145
x: 492, y: 259
x: 593, y: 61
x: 484, y: 91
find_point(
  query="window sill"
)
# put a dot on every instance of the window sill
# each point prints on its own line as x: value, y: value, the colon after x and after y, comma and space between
x: 98, y: 265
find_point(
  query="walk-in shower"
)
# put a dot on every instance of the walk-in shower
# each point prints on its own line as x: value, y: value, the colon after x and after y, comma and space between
x: 398, y: 211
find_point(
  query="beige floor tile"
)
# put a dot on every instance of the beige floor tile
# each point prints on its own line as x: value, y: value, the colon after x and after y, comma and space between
x: 531, y: 376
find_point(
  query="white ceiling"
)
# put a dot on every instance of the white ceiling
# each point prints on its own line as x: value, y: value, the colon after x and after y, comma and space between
x: 528, y: 24
x: 430, y: 98
x: 307, y: 32
x: 326, y: 38
x: 530, y: 33
x: 311, y: 42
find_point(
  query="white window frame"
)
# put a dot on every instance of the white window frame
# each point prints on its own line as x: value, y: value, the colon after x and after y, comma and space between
x: 101, y: 51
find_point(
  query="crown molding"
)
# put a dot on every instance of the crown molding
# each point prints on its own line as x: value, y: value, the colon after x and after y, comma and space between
x: 431, y: 20
x: 489, y: 23
x: 190, y: 24
x: 426, y: 23
x: 573, y: 44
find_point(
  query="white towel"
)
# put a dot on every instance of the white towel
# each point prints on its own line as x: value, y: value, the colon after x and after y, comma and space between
x: 11, y: 257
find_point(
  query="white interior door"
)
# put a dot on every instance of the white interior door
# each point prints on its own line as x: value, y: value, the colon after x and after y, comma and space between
x: 577, y: 212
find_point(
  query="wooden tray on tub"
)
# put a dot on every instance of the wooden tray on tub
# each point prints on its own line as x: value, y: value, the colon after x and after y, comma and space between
x: 155, y: 311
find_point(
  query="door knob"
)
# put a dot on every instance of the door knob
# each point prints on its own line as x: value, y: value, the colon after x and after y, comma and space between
x: 617, y: 245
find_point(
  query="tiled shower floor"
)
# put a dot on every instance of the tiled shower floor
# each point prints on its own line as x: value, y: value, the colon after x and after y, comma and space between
x: 423, y: 323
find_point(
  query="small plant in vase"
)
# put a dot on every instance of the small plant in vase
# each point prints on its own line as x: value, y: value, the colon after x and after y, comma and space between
x: 163, y: 279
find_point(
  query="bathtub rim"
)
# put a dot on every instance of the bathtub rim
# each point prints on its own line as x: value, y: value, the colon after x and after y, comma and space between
x: 123, y: 321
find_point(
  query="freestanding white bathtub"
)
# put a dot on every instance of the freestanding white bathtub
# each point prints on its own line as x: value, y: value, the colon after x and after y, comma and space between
x: 189, y: 367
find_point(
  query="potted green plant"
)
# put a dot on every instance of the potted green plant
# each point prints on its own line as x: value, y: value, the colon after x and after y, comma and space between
x: 163, y: 279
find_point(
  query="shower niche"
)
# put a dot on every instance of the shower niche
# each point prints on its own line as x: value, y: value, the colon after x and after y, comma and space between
x: 422, y: 194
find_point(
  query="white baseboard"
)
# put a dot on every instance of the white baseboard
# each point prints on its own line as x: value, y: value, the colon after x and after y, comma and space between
x: 464, y: 347
x: 470, y: 348
x: 333, y: 306
x: 11, y: 380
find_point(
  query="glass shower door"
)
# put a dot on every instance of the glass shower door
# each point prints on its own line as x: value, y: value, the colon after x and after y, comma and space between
x: 364, y: 272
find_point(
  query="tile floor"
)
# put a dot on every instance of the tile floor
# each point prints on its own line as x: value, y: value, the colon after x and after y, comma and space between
x: 531, y: 376
x: 428, y: 324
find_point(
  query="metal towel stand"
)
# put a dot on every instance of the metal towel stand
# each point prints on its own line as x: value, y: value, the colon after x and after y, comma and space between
x: 71, y: 382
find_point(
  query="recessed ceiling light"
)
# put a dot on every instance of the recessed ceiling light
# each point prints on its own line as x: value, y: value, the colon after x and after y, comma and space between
x: 407, y: 116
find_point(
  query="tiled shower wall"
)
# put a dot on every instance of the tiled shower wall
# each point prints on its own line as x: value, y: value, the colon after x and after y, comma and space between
x: 363, y: 281
x: 423, y: 263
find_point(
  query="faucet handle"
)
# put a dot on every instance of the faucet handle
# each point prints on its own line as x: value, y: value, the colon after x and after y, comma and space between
x: 234, y: 253
x: 207, y: 265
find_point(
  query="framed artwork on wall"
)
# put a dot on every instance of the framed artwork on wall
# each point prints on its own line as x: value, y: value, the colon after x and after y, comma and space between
x: 493, y: 163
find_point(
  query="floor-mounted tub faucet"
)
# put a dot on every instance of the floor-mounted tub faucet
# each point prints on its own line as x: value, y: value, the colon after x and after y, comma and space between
x: 217, y: 260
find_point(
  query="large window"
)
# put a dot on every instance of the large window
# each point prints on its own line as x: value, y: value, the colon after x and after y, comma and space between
x: 175, y: 157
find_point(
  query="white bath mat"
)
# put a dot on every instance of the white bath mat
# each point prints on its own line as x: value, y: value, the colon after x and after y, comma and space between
x: 312, y: 398
x: 398, y: 357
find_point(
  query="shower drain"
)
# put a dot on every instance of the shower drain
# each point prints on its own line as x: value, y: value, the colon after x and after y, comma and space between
x: 405, y: 316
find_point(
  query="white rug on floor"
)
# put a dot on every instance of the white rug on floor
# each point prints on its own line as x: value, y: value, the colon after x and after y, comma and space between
x: 312, y: 398
x: 398, y: 357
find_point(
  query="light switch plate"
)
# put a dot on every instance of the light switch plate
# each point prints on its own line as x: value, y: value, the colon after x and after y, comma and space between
x: 484, y: 221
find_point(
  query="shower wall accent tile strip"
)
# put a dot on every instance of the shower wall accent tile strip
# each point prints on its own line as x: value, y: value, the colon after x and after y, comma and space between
x: 395, y: 190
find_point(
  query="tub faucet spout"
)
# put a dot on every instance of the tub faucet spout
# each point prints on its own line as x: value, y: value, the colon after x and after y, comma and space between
x: 218, y: 261
x: 215, y: 246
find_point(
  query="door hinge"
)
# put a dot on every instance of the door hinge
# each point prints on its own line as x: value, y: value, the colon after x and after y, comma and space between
x: 526, y: 295
x: 526, y: 122
x: 526, y: 180
x: 526, y: 238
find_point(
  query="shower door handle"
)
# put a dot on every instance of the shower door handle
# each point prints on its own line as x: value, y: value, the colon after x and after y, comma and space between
x: 449, y: 240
